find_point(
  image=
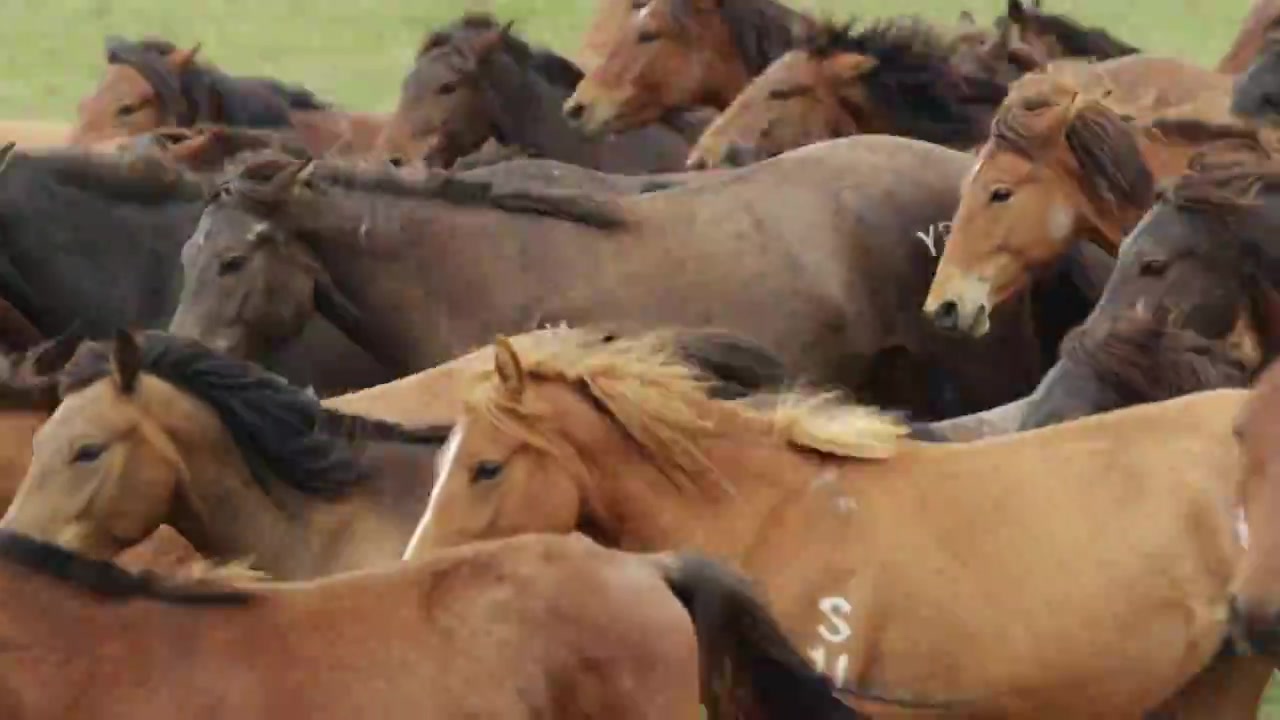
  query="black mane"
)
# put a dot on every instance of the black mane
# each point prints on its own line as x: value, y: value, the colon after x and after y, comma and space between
x: 282, y: 431
x: 762, y: 30
x: 913, y: 81
x: 1077, y: 39
x: 108, y: 580
x: 556, y: 69
x: 204, y: 93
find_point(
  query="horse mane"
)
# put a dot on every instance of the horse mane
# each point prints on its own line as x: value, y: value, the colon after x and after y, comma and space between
x: 551, y: 66
x: 663, y: 404
x: 252, y: 181
x: 1194, y: 131
x: 913, y: 79
x: 1103, y: 144
x: 1223, y: 180
x: 761, y: 30
x: 1079, y: 40
x: 108, y: 580
x: 1144, y: 359
x: 204, y: 91
x: 140, y: 180
x: 282, y: 431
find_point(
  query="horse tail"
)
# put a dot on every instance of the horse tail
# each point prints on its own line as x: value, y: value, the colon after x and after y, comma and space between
x: 742, y: 652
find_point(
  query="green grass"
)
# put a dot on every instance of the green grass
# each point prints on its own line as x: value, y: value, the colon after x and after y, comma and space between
x: 356, y: 51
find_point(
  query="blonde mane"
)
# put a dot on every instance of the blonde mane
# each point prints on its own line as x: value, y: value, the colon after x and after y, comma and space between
x: 662, y: 403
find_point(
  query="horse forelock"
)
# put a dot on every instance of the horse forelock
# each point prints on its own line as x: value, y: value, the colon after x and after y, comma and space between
x: 761, y: 30
x: 148, y: 58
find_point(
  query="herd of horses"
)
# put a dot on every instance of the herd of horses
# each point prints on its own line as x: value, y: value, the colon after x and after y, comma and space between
x: 855, y: 369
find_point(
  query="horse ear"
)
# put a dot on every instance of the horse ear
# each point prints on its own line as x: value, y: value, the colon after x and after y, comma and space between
x: 6, y: 152
x: 183, y: 59
x: 1016, y: 12
x: 507, y: 364
x: 849, y: 67
x: 126, y: 361
x: 52, y: 355
x: 966, y: 19
x: 291, y: 179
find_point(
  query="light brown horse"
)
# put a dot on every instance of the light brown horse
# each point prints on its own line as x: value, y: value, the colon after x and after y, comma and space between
x: 553, y: 627
x: 678, y: 54
x: 956, y: 574
x: 1249, y: 41
x: 830, y: 285
x: 1060, y: 167
x: 1256, y: 591
x: 893, y: 77
x: 150, y: 84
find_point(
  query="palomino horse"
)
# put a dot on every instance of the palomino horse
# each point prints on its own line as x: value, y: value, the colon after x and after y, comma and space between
x: 1257, y: 91
x: 151, y: 84
x: 475, y: 81
x: 678, y: 54
x: 956, y: 573
x: 1256, y: 591
x: 1251, y: 38
x: 828, y: 285
x: 1055, y: 36
x: 892, y: 77
x: 634, y: 638
x: 1060, y: 167
x: 34, y: 134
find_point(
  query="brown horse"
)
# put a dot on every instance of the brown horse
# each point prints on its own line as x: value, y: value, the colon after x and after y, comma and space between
x: 474, y: 81
x: 1055, y: 36
x: 991, y: 53
x: 1251, y: 38
x: 1060, y: 167
x: 892, y: 77
x: 152, y: 83
x: 207, y: 149
x: 828, y: 286
x: 1257, y: 90
x: 530, y: 627
x: 1086, y: 524
x: 678, y: 54
x: 1256, y: 593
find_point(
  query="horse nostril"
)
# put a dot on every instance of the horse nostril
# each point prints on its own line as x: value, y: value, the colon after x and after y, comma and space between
x: 574, y: 110
x: 396, y: 161
x: 947, y: 316
x: 696, y: 163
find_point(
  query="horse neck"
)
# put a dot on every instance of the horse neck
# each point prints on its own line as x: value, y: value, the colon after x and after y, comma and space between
x: 526, y: 112
x: 1107, y: 226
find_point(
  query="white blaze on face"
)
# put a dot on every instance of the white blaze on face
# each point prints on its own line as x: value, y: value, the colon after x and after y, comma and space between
x: 1242, y: 528
x: 444, y: 468
x: 1061, y: 219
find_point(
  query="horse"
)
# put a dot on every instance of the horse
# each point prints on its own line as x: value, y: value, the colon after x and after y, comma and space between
x: 1060, y: 167
x: 475, y: 81
x: 635, y: 638
x: 827, y: 286
x: 617, y: 442
x: 1251, y: 38
x: 152, y: 83
x: 892, y: 77
x: 1056, y: 36
x: 209, y: 149
x: 992, y: 53
x: 1257, y: 90
x: 71, y: 219
x: 34, y: 134
x: 679, y: 54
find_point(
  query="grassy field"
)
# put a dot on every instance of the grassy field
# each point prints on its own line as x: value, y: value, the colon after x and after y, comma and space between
x: 355, y: 52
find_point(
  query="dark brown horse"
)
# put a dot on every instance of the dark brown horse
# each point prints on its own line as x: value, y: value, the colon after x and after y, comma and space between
x: 677, y: 54
x: 475, y: 81
x: 1257, y: 89
x: 1056, y: 36
x: 152, y: 83
x: 827, y: 284
x: 532, y: 627
x: 893, y: 77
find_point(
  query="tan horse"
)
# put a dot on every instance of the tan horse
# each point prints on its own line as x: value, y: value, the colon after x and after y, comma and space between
x: 1060, y: 166
x: 533, y: 627
x: 958, y: 574
x: 1249, y: 41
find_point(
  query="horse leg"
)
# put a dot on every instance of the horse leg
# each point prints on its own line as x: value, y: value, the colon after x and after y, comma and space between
x: 1229, y: 689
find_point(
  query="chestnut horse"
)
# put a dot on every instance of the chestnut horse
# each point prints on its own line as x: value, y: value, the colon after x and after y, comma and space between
x: 1060, y: 167
x: 529, y: 627
x: 829, y: 284
x: 892, y: 77
x: 152, y: 83
x: 959, y: 574
x: 475, y: 81
x: 1256, y: 590
x: 1055, y: 36
x: 1251, y: 38
x: 679, y: 54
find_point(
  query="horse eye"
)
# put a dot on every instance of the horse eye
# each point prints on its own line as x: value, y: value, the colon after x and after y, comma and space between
x: 648, y: 36
x: 1001, y: 194
x: 448, y: 88
x: 486, y: 470
x: 88, y: 453
x: 232, y: 264
x: 126, y: 110
x: 1153, y: 267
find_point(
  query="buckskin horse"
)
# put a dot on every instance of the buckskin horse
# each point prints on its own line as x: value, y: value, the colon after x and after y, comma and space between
x: 829, y: 277
x: 618, y: 442
x: 1060, y: 167
x: 529, y: 627
x: 152, y: 83
x: 892, y: 77
x: 474, y: 81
